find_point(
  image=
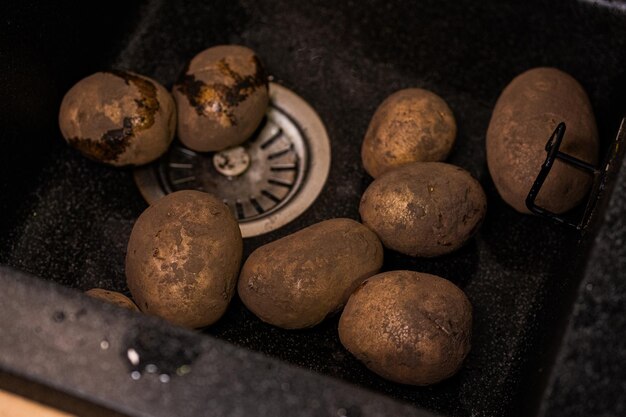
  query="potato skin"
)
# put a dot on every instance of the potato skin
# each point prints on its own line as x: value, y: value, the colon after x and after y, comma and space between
x: 411, y: 125
x: 525, y: 115
x: 183, y: 258
x: 221, y: 99
x: 298, y: 280
x: 424, y: 208
x: 112, y: 297
x: 118, y: 118
x: 408, y: 327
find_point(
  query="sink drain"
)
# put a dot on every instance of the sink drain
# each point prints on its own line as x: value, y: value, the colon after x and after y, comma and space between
x: 268, y: 181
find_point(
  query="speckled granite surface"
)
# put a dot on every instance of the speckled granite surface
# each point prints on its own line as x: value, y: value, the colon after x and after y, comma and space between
x: 591, y: 363
x: 67, y: 219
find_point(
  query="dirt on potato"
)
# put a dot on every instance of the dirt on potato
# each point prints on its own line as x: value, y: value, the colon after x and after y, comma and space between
x: 424, y: 209
x: 297, y: 281
x: 408, y: 327
x: 183, y: 258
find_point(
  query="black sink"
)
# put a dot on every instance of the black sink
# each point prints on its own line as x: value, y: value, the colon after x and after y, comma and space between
x: 549, y: 301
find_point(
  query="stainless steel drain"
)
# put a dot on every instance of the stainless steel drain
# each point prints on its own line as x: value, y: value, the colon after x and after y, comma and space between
x: 268, y: 181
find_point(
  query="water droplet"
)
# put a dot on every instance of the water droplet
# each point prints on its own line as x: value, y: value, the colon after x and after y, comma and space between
x: 155, y: 350
x: 353, y: 411
x: 135, y: 375
x: 589, y: 287
x: 183, y: 370
x: 58, y: 316
x: 104, y: 344
x: 133, y: 356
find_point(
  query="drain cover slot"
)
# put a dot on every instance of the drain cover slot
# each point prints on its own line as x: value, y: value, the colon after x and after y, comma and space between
x: 268, y: 181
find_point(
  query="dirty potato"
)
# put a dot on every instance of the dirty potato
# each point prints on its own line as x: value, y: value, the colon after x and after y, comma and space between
x: 411, y: 125
x: 221, y: 99
x: 526, y: 114
x: 112, y: 297
x: 183, y: 258
x: 296, y: 281
x: 118, y: 118
x: 408, y: 327
x: 424, y: 208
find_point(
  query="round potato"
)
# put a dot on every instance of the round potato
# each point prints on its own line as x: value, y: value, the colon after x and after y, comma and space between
x: 411, y: 125
x: 183, y: 258
x: 424, y: 208
x: 408, y: 327
x: 112, y: 297
x: 296, y: 281
x: 526, y: 114
x: 221, y: 99
x: 118, y: 118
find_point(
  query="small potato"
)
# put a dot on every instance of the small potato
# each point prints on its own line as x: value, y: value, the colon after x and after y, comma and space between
x: 221, y: 99
x: 424, y: 208
x: 112, y: 297
x: 408, y: 327
x: 183, y: 258
x: 296, y: 281
x: 526, y: 114
x: 411, y: 125
x: 118, y: 118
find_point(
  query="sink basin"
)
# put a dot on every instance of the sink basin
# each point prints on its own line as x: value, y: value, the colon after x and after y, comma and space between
x: 548, y: 301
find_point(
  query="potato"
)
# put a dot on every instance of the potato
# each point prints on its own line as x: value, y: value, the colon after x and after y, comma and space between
x: 526, y: 114
x: 112, y: 297
x: 408, y: 327
x: 221, y: 99
x: 411, y: 125
x: 183, y: 258
x: 296, y: 281
x: 118, y: 118
x: 424, y: 208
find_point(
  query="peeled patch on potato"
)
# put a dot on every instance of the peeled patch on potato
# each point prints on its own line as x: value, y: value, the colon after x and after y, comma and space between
x: 296, y: 281
x: 411, y: 125
x: 221, y: 99
x: 183, y: 258
x: 112, y: 297
x: 424, y: 208
x: 525, y: 115
x: 408, y: 327
x: 118, y: 118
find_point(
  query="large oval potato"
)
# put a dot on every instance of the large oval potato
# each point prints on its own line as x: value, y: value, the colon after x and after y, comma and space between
x: 411, y: 125
x: 525, y: 115
x: 183, y: 258
x: 119, y: 118
x: 296, y: 281
x: 408, y: 327
x: 221, y: 99
x: 424, y: 208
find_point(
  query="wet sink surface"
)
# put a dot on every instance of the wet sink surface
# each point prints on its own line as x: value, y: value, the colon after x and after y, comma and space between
x: 69, y: 219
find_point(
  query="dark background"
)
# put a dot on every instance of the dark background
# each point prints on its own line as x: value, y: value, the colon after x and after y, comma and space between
x: 67, y: 219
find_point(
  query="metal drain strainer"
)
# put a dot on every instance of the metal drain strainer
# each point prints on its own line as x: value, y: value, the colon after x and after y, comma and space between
x: 268, y: 181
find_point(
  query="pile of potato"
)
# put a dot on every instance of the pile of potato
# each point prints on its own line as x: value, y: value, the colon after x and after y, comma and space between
x: 122, y: 118
x: 184, y: 257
